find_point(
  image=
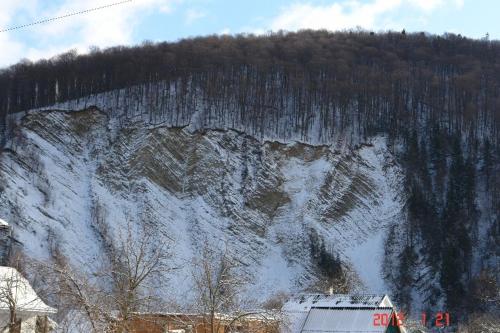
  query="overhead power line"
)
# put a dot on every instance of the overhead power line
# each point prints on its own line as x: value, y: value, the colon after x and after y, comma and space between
x: 65, y: 16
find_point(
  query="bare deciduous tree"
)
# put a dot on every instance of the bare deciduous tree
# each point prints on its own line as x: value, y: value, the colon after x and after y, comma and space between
x: 135, y: 262
x: 117, y: 288
x: 217, y: 284
x: 76, y: 293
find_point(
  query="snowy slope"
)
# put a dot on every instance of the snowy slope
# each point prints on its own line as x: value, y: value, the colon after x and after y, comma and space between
x: 66, y: 177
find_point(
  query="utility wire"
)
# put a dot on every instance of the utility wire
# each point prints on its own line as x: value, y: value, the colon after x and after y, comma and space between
x: 64, y: 16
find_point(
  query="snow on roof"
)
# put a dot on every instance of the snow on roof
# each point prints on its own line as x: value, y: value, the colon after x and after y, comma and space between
x: 303, y: 303
x: 344, y: 320
x: 252, y: 315
x: 309, y: 313
x: 13, y: 284
x: 3, y: 223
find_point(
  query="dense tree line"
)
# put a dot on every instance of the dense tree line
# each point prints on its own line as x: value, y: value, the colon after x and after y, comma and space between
x: 330, y: 265
x: 457, y: 241
x: 311, y: 84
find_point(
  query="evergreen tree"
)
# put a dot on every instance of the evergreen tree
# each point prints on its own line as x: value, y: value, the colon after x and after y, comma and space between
x: 451, y: 276
x: 457, y: 249
x: 487, y: 162
x: 405, y: 278
x: 438, y: 159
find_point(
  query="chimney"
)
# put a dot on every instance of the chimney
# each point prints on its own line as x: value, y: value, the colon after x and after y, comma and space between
x: 5, y: 241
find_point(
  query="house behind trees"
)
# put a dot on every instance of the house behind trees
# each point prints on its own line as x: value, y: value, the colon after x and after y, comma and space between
x: 21, y: 310
x: 5, y: 241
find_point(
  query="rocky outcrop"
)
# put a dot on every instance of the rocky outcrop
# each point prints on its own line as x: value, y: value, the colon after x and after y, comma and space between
x: 65, y: 174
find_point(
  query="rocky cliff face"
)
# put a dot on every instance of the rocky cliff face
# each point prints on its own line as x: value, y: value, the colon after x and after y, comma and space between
x: 68, y: 177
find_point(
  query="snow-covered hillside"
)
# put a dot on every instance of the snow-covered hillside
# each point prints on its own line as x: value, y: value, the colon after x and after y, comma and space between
x: 67, y: 175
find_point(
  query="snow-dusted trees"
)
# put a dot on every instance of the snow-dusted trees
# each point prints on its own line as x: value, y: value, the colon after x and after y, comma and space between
x: 319, y: 86
x: 109, y: 293
x: 444, y: 176
x: 77, y: 296
x: 20, y: 306
x: 219, y: 287
x: 485, y: 292
x: 217, y: 284
x: 482, y: 324
x: 311, y: 84
x: 138, y: 262
x: 338, y: 279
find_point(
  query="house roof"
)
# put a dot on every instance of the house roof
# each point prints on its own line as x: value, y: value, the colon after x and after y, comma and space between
x: 13, y: 284
x: 323, y: 313
x: 304, y: 302
x: 255, y: 315
x: 344, y: 320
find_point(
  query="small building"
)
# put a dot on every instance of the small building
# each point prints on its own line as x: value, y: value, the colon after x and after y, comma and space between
x: 198, y: 323
x: 17, y: 296
x: 319, y: 313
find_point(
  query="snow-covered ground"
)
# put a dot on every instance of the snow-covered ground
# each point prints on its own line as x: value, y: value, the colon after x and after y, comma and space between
x: 66, y: 175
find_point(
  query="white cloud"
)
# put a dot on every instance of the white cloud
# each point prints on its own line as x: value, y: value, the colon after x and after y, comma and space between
x: 430, y: 5
x: 10, y: 7
x: 375, y: 14
x: 193, y: 15
x: 333, y: 17
x: 109, y: 26
x: 12, y: 51
x: 427, y: 5
x: 105, y: 27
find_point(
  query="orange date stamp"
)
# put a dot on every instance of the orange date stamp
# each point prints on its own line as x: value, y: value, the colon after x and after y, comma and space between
x: 441, y: 319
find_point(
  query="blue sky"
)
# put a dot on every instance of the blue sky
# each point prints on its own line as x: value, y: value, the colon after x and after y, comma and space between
x: 159, y: 20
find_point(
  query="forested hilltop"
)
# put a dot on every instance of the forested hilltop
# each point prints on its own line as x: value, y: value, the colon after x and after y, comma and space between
x: 436, y: 98
x: 308, y: 80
